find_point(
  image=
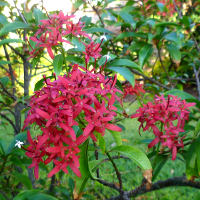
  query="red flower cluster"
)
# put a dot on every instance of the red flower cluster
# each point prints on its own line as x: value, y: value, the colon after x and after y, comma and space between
x: 81, y: 98
x: 53, y: 32
x: 136, y: 90
x: 168, y: 4
x: 170, y: 115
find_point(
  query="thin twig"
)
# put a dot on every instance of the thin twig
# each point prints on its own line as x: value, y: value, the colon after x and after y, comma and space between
x: 10, y: 121
x: 175, y: 181
x: 116, y: 171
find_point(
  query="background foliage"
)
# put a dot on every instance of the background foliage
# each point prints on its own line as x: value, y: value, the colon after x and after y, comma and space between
x: 155, y: 42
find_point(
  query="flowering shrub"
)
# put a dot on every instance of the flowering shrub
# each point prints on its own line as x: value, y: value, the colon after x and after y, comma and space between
x: 80, y: 98
x: 167, y: 119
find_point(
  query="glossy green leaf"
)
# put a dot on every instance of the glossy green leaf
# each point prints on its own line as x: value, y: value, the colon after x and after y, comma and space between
x: 127, y: 18
x: 174, y: 52
x: 166, y: 24
x: 39, y: 15
x: 135, y: 154
x: 130, y: 34
x: 58, y: 63
x: 125, y: 63
x: 4, y: 80
x: 41, y: 83
x: 11, y: 27
x: 33, y: 195
x: 7, y: 41
x: 20, y: 137
x: 117, y: 137
x: 21, y: 178
x: 101, y: 142
x: 3, y: 19
x: 3, y: 3
x: 84, y: 168
x: 125, y: 72
x: 144, y: 54
x: 97, y: 30
x: 181, y: 94
x: 197, y: 128
x: 102, y: 60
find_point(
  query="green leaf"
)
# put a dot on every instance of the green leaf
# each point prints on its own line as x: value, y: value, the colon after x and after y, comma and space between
x: 125, y: 62
x: 158, y: 163
x: 101, y: 142
x: 79, y: 45
x: 4, y: 80
x: 3, y: 3
x: 127, y: 18
x: 58, y: 63
x: 172, y: 37
x: 39, y: 15
x: 11, y: 27
x: 33, y: 195
x: 74, y: 59
x: 102, y: 60
x: 41, y: 83
x: 126, y: 73
x: 6, y: 41
x: 21, y: 178
x: 3, y: 19
x: 21, y: 137
x: 97, y: 30
x: 161, y: 6
x: 84, y: 168
x: 130, y: 34
x: 181, y: 94
x: 167, y: 24
x: 117, y: 137
x: 135, y: 154
x: 174, y: 52
x: 144, y: 54
x: 197, y: 128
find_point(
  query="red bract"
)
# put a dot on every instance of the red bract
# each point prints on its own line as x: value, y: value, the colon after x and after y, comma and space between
x: 166, y: 117
x: 54, y: 31
x: 136, y: 90
x: 81, y: 98
x: 171, y: 9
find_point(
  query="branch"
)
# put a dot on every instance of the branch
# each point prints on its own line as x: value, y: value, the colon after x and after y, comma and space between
x: 150, y: 79
x: 111, y: 185
x: 175, y: 181
x: 116, y: 171
x: 8, y: 93
x: 10, y: 121
x: 197, y: 80
x: 16, y: 52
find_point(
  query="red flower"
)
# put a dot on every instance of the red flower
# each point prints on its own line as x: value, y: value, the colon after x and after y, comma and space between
x: 169, y: 114
x: 81, y: 98
x: 137, y: 90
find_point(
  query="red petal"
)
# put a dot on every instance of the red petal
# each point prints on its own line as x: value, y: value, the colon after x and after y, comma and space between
x: 153, y: 142
x: 53, y: 171
x: 42, y: 140
x: 29, y: 137
x: 113, y: 127
x: 43, y: 114
x: 50, y: 52
x: 88, y: 129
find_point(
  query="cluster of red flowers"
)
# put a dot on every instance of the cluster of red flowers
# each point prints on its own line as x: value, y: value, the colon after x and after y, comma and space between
x: 81, y: 98
x: 170, y: 115
x: 136, y: 90
x: 171, y: 9
x: 54, y: 31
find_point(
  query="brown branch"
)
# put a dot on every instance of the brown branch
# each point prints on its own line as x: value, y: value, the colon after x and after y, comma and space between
x: 150, y: 79
x: 10, y: 121
x: 175, y: 181
x: 116, y: 171
x: 111, y: 185
x: 8, y: 93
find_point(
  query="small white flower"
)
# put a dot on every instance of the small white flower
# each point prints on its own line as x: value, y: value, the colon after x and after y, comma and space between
x: 103, y: 37
x: 107, y: 56
x: 19, y: 144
